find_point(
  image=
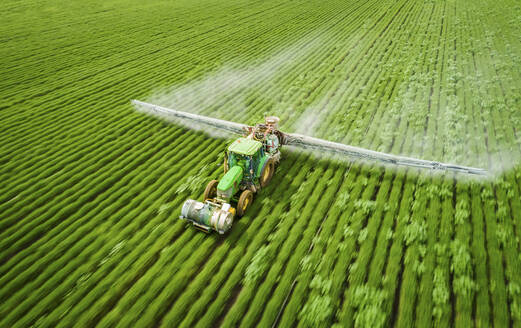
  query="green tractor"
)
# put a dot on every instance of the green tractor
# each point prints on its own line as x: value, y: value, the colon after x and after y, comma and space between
x: 249, y: 164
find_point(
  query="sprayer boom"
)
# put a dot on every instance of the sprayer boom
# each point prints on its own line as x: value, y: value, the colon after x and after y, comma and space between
x: 297, y: 140
x: 370, y: 155
x: 172, y: 113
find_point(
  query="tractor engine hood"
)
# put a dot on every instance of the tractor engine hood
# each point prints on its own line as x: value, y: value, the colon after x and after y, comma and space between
x: 229, y: 183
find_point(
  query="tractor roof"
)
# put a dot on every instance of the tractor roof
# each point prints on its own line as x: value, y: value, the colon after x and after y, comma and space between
x: 244, y: 146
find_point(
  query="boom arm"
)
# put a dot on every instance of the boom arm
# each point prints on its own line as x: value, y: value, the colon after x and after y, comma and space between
x: 167, y: 112
x: 320, y: 144
x: 302, y: 141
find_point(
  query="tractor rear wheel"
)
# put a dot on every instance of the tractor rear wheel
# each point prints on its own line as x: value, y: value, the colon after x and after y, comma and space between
x: 211, y: 190
x: 245, y: 201
x: 267, y: 172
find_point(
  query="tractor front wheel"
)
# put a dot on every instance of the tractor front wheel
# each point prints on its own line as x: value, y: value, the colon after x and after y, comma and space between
x: 245, y: 200
x: 211, y: 190
x: 267, y: 172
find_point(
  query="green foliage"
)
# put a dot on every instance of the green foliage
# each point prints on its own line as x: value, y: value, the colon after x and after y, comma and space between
x: 195, y: 182
x: 362, y: 235
x: 462, y: 212
x: 368, y: 302
x: 319, y: 307
x: 445, y: 191
x: 315, y: 311
x: 306, y: 264
x: 365, y: 206
x: 461, y: 267
x: 440, y: 294
x: 415, y: 231
x: 342, y: 200
x: 258, y: 266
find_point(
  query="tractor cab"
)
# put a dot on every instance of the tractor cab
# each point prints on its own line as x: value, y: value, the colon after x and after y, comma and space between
x: 247, y: 154
x: 246, y: 166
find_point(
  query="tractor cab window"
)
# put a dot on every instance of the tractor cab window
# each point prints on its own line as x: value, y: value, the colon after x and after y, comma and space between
x: 238, y: 159
x: 249, y: 164
x: 232, y: 159
x: 256, y: 158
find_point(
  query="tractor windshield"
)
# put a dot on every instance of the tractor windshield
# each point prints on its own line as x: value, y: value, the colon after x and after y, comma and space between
x: 232, y: 159
x: 246, y: 162
x: 238, y: 159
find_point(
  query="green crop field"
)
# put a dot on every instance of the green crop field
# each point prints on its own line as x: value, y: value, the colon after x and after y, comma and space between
x: 91, y: 189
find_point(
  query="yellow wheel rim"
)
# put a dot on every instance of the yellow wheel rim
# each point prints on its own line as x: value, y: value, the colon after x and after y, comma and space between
x: 266, y: 173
